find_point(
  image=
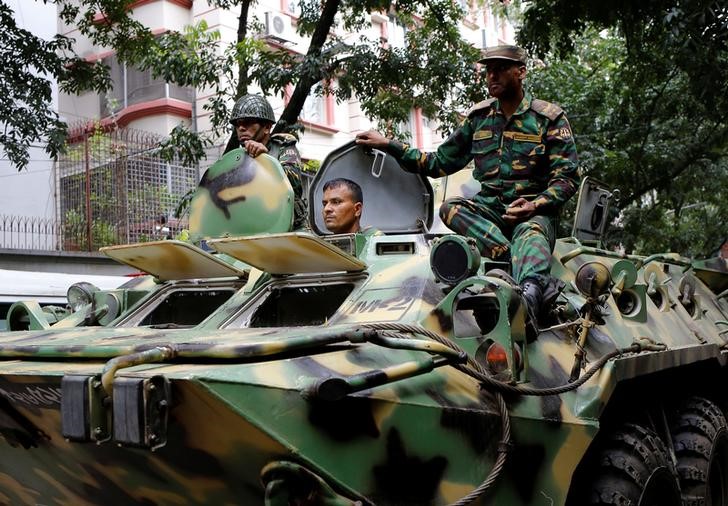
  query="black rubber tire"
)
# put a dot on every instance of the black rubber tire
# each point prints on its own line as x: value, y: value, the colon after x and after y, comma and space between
x: 633, y: 468
x: 700, y: 438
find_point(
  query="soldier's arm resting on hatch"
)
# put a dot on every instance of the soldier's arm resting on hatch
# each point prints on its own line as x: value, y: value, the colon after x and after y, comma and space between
x: 451, y: 156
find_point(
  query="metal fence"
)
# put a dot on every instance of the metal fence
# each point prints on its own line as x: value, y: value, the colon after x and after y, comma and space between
x: 29, y: 232
x: 113, y: 187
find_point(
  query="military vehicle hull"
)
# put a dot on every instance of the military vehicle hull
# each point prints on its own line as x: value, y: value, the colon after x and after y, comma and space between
x: 378, y: 370
x: 410, y: 430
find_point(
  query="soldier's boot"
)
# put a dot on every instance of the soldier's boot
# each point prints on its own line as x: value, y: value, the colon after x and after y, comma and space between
x: 531, y: 295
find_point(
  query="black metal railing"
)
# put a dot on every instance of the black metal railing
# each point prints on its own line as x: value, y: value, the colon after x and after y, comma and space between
x: 47, y: 234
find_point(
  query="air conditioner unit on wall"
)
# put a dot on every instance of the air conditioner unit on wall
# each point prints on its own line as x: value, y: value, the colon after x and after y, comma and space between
x: 278, y: 26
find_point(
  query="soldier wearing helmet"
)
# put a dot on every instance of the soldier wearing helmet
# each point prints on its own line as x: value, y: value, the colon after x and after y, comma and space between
x: 525, y: 160
x: 253, y: 119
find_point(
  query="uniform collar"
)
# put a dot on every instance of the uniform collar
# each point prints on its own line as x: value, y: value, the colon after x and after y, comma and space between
x: 525, y: 103
x: 523, y: 106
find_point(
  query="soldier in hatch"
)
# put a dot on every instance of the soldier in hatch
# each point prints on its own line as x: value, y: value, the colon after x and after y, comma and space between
x: 342, y: 207
x: 525, y: 159
x: 253, y: 119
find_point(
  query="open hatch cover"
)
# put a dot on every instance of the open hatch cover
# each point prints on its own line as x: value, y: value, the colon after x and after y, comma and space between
x: 167, y: 260
x: 293, y: 253
x: 395, y: 201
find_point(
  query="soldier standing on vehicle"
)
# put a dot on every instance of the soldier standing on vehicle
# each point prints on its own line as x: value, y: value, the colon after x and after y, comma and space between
x: 525, y: 160
x: 253, y: 119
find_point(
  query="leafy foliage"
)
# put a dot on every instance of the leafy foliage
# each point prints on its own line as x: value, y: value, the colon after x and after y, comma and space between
x: 646, y: 100
x: 435, y: 71
x: 26, y: 118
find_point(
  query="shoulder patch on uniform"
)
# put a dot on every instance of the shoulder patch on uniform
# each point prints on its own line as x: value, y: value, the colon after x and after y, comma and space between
x: 551, y: 111
x: 284, y: 139
x: 480, y: 105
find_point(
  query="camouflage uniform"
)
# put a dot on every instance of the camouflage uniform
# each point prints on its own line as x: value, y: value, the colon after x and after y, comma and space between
x: 370, y: 231
x: 283, y: 148
x: 531, y: 155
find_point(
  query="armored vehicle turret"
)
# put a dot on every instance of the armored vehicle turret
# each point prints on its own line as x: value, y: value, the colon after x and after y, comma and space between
x: 390, y: 369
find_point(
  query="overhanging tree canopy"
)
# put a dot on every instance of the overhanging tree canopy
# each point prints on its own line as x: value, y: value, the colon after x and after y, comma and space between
x: 434, y: 71
x: 643, y: 84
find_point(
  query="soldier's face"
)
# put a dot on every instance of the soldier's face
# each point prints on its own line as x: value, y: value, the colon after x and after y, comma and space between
x: 248, y: 129
x: 341, y: 213
x: 504, y: 78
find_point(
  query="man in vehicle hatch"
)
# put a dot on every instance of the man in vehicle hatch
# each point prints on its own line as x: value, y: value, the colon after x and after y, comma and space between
x: 525, y: 160
x: 253, y: 119
x: 342, y: 207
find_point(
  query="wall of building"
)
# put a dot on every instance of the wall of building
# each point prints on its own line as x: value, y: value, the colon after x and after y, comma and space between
x: 30, y: 191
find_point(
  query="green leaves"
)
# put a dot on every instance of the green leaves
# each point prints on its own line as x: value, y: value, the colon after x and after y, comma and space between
x: 184, y: 145
x: 649, y: 114
x: 24, y: 112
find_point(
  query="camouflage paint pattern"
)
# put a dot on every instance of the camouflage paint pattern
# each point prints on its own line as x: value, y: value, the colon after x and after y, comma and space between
x: 528, y: 243
x: 248, y: 421
x: 426, y: 439
x: 241, y: 195
x: 530, y: 155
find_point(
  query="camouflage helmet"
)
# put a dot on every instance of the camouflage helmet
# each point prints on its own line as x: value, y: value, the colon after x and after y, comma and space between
x: 252, y: 106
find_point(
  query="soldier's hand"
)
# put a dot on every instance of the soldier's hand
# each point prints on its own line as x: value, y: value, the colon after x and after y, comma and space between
x: 255, y: 148
x: 372, y: 139
x: 519, y: 210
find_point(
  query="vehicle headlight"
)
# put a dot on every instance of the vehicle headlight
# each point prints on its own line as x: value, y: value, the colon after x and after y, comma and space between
x: 80, y: 294
x: 454, y: 258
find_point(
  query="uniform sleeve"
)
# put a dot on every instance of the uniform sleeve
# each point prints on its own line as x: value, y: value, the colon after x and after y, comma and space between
x: 290, y: 160
x: 564, y: 174
x: 451, y: 156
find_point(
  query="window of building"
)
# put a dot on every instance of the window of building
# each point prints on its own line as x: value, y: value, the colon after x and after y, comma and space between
x: 318, y: 109
x: 314, y: 109
x: 408, y: 129
x: 396, y: 33
x: 133, y: 86
x: 293, y: 7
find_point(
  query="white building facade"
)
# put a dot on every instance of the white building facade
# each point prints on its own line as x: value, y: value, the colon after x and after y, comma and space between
x: 143, y: 103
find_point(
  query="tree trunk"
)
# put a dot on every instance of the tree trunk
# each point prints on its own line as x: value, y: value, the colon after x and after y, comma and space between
x: 290, y: 114
x: 242, y: 87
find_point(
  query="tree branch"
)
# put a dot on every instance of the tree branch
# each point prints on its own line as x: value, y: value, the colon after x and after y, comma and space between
x: 718, y: 136
x: 242, y: 87
x: 290, y: 114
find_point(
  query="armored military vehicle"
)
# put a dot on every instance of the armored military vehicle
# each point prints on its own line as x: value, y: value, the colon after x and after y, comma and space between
x: 184, y: 283
x: 392, y: 369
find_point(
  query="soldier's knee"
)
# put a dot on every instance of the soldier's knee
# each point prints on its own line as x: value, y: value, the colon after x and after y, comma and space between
x: 446, y: 208
x: 527, y: 228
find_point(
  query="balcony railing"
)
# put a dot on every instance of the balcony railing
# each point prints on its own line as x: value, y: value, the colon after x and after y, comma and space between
x: 47, y: 234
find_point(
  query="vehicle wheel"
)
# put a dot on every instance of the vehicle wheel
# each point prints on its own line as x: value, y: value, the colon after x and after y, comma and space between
x: 633, y: 468
x: 700, y: 438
